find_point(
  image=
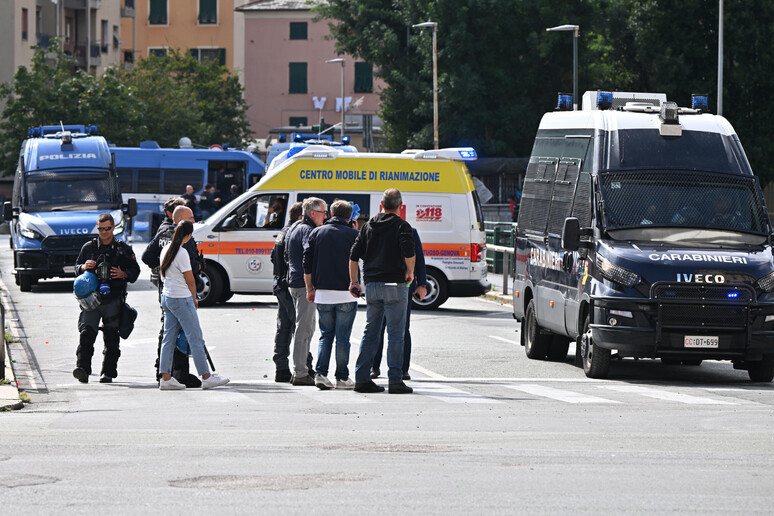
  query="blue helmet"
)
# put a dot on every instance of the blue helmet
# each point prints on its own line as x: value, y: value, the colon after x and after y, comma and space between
x: 85, y: 284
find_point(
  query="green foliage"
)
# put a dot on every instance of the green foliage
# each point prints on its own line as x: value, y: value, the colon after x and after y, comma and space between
x: 161, y: 98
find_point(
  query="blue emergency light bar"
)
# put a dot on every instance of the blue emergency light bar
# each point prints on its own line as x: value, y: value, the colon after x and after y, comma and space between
x: 37, y: 132
x: 345, y: 140
x: 700, y: 101
x: 564, y: 102
x: 281, y: 138
x: 604, y: 100
x: 733, y: 295
x: 468, y: 154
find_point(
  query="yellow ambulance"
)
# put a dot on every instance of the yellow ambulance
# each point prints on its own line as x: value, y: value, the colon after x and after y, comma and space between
x: 439, y: 200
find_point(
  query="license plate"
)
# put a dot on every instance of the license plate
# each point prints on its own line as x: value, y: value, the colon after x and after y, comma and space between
x: 700, y: 342
x: 70, y: 269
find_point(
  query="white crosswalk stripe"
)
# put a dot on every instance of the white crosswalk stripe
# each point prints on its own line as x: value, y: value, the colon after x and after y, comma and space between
x: 449, y: 394
x: 558, y: 394
x: 660, y: 394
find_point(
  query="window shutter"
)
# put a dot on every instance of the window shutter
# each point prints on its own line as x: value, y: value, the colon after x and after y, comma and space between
x: 298, y: 77
x: 364, y: 78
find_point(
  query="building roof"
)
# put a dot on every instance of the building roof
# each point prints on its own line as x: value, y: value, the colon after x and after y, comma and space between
x: 278, y: 5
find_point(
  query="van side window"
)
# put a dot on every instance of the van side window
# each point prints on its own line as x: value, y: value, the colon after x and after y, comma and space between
x: 262, y: 212
x: 536, y: 194
x: 561, y: 198
x: 582, y: 206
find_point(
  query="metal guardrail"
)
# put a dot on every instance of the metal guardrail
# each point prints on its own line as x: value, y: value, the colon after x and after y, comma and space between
x: 507, y: 252
x: 2, y: 345
x: 500, y: 239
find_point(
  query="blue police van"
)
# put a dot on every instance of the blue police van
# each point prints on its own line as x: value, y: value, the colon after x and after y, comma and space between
x: 65, y: 178
x: 643, y: 232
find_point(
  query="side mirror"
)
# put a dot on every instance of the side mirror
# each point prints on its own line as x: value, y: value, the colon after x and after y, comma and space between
x: 131, y: 207
x: 7, y: 211
x: 229, y: 222
x: 571, y: 234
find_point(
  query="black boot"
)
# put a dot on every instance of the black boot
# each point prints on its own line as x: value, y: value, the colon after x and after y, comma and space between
x: 83, y: 354
x: 111, y: 353
x: 181, y: 367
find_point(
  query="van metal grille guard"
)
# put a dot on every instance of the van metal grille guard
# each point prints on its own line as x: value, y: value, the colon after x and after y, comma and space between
x: 703, y: 306
x: 702, y: 200
x: 65, y: 243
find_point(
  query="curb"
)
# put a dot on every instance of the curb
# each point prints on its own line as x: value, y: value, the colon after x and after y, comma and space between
x: 7, y: 400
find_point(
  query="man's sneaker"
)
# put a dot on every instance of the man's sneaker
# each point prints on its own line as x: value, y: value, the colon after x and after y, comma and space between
x: 105, y: 379
x: 400, y: 388
x: 171, y: 385
x: 214, y: 381
x: 303, y: 380
x: 375, y: 372
x: 81, y: 375
x: 283, y: 376
x: 345, y: 384
x: 368, y: 387
x: 322, y: 382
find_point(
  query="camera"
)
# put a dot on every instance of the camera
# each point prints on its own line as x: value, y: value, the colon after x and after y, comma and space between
x: 103, y: 275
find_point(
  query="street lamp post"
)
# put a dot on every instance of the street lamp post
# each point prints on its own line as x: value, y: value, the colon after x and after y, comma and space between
x: 343, y: 102
x: 434, y: 25
x: 720, y: 58
x: 575, y: 33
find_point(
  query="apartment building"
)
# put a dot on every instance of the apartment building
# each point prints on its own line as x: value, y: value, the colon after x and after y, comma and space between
x: 205, y: 28
x: 17, y: 34
x: 287, y: 80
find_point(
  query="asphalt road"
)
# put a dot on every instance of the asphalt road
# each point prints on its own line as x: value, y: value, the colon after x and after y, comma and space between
x: 487, y: 430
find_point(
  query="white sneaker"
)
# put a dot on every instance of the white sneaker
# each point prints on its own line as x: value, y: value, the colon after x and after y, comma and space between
x: 345, y: 384
x: 214, y: 381
x: 171, y: 385
x: 322, y: 382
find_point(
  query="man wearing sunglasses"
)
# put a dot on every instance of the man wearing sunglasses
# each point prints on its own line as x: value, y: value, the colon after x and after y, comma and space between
x: 114, y: 263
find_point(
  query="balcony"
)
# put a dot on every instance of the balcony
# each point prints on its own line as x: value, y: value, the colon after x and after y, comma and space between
x: 81, y: 4
x: 127, y: 12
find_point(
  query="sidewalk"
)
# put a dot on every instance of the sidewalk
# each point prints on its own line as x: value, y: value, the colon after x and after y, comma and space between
x: 496, y: 294
x: 9, y: 392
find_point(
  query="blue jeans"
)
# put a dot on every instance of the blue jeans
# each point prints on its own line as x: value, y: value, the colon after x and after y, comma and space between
x: 383, y: 301
x: 335, y: 321
x: 180, y: 312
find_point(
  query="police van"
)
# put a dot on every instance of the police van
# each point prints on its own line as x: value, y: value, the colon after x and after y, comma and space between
x: 66, y: 177
x: 643, y: 232
x: 439, y: 200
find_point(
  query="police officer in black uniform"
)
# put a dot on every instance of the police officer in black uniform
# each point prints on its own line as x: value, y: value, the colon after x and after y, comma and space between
x: 151, y: 257
x: 114, y: 264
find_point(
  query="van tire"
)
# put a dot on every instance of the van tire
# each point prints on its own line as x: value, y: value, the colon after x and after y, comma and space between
x: 763, y: 370
x: 557, y: 349
x: 437, y: 291
x: 535, y: 343
x: 25, y: 282
x: 596, y: 361
x: 226, y: 295
x: 213, y: 286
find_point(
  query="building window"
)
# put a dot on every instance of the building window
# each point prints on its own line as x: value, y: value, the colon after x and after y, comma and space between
x: 364, y: 78
x: 298, y: 77
x: 25, y: 22
x: 105, y: 41
x: 298, y: 30
x: 210, y: 54
x: 208, y: 12
x: 157, y: 14
x: 296, y: 121
x: 158, y: 52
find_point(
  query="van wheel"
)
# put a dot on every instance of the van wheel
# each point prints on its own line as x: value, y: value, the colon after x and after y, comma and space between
x: 557, y: 349
x: 25, y: 282
x: 763, y: 370
x: 212, y: 288
x: 437, y: 292
x: 535, y: 343
x: 227, y: 294
x: 596, y: 361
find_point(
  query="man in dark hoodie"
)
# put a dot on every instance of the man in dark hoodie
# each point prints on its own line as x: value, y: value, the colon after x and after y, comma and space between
x: 386, y: 246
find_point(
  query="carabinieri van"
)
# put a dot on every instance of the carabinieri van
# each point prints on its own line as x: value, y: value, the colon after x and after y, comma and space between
x: 643, y: 232
x: 439, y: 200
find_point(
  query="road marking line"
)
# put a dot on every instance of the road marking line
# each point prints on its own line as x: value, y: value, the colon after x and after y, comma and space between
x: 427, y: 372
x: 666, y: 395
x: 451, y: 394
x: 505, y: 340
x: 332, y: 397
x: 559, y: 394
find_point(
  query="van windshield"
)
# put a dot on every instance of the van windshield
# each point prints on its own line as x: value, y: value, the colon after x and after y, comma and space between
x: 682, y: 202
x: 62, y: 191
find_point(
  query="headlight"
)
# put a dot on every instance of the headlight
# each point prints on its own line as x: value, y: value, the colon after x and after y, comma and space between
x: 767, y: 282
x: 615, y: 273
x: 30, y: 233
x: 119, y: 227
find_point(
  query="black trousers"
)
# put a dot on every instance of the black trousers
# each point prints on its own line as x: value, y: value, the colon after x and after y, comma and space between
x: 109, y: 313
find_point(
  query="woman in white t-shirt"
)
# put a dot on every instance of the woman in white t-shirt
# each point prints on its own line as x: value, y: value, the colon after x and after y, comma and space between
x: 178, y: 299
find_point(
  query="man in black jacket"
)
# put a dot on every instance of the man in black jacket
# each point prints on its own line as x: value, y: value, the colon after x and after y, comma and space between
x: 175, y: 211
x: 114, y: 263
x: 326, y: 274
x: 386, y: 246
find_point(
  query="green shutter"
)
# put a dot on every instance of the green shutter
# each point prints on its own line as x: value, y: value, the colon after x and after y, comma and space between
x: 295, y: 121
x: 158, y: 12
x: 364, y: 78
x: 297, y: 77
x: 208, y: 11
x: 222, y: 56
x: 298, y: 30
